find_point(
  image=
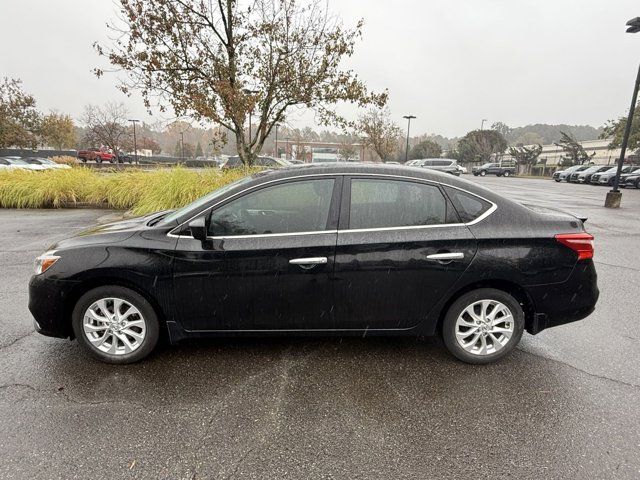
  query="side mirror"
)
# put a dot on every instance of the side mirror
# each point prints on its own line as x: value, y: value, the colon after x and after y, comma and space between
x: 198, y: 229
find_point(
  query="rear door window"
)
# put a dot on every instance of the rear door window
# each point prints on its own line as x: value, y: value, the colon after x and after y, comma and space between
x: 377, y: 203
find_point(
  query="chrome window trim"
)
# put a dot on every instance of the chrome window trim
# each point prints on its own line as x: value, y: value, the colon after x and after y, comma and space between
x: 491, y: 209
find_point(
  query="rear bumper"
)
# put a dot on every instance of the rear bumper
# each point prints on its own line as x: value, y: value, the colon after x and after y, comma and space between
x: 47, y: 299
x: 567, y: 302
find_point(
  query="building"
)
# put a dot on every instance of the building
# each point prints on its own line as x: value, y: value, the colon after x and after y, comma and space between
x: 602, y: 155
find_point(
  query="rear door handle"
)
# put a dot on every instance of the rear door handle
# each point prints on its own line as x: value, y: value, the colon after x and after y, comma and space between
x: 440, y: 257
x: 308, y: 262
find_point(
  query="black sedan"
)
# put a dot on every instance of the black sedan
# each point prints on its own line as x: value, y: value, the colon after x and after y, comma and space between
x: 333, y: 249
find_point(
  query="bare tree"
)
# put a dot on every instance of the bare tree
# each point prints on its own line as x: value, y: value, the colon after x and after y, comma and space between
x: 106, y: 126
x: 380, y: 132
x: 219, y: 61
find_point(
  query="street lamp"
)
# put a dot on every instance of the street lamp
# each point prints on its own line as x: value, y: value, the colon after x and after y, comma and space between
x: 406, y: 152
x: 276, y: 151
x: 182, y: 143
x: 482, y: 123
x: 135, y: 143
x: 615, y: 195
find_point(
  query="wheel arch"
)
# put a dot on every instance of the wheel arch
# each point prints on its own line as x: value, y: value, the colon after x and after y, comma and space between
x: 101, y: 281
x: 513, y: 289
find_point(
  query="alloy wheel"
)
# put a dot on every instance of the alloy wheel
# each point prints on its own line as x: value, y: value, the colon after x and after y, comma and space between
x: 484, y: 327
x: 114, y: 326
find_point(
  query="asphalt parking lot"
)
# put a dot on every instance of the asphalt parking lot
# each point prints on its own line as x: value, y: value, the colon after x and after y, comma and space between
x: 565, y: 404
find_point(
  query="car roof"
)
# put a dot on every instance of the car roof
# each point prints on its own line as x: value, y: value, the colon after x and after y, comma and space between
x: 355, y: 168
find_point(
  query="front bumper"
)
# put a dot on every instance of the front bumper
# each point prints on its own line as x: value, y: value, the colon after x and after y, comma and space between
x: 47, y: 302
x: 567, y: 302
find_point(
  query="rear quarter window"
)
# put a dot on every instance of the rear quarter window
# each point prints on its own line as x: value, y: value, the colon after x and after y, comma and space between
x: 468, y: 206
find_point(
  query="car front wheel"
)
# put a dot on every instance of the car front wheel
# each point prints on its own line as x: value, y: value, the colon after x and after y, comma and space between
x: 483, y: 326
x: 115, y: 324
x: 483, y: 173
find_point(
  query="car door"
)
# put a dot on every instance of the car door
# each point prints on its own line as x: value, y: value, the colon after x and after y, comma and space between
x: 401, y: 247
x: 267, y: 262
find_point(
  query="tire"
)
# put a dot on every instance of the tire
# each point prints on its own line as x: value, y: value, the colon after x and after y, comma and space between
x: 611, y: 181
x: 506, y: 174
x: 483, y: 173
x: 558, y: 179
x: 149, y: 330
x: 98, y: 159
x: 494, y: 298
x: 637, y: 184
x: 83, y: 160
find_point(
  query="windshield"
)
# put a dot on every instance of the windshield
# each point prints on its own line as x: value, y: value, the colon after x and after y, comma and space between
x: 16, y: 161
x: 195, y: 206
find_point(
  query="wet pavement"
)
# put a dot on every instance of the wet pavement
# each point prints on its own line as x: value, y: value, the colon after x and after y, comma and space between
x: 565, y: 404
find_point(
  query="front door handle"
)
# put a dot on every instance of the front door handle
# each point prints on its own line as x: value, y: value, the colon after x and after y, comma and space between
x: 446, y: 257
x: 308, y: 262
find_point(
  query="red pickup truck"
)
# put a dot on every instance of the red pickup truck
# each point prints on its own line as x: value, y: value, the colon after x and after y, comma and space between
x: 96, y: 155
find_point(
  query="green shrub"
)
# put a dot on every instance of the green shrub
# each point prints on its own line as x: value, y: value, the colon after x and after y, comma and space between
x: 141, y: 191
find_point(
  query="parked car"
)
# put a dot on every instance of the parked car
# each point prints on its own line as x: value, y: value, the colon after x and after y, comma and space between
x: 332, y: 249
x: 631, y: 180
x: 608, y: 176
x: 584, y: 176
x: 412, y: 163
x: 560, y: 175
x: 269, y: 162
x: 494, y: 169
x: 124, y: 158
x: 19, y: 163
x: 46, y: 163
x: 462, y: 169
x: 97, y: 156
x: 446, y: 165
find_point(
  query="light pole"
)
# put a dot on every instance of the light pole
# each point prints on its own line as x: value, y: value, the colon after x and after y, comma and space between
x: 286, y: 152
x: 482, y: 124
x: 135, y: 142
x: 182, y: 144
x: 276, y: 151
x: 615, y: 195
x: 250, y: 92
x: 406, y: 152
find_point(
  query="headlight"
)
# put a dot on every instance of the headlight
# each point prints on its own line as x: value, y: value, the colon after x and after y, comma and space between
x: 45, y: 261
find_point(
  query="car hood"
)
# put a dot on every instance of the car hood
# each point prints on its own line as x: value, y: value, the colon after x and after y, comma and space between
x: 112, y: 232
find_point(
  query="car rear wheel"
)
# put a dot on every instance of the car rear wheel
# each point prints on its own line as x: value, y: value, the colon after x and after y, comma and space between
x: 637, y: 184
x: 506, y: 174
x: 115, y: 324
x: 483, y: 326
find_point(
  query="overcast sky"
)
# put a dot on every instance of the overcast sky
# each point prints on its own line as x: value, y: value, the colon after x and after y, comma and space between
x: 449, y: 62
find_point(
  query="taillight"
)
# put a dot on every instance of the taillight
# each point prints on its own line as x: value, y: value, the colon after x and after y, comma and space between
x: 581, y: 243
